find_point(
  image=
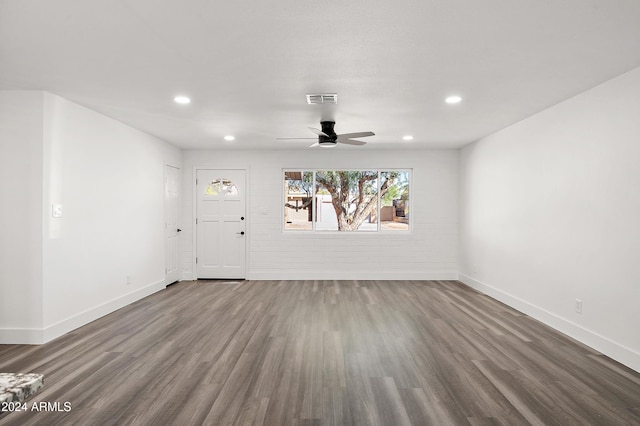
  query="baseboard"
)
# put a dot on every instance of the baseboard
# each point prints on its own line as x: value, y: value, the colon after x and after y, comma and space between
x: 614, y: 350
x: 78, y: 320
x: 20, y: 336
x: 33, y: 336
x: 351, y: 275
x: 188, y: 276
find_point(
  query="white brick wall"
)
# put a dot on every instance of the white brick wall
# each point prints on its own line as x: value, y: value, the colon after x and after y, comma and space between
x: 429, y: 251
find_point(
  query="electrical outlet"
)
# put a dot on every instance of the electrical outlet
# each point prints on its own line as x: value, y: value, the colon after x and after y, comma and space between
x: 579, y: 306
x: 128, y: 279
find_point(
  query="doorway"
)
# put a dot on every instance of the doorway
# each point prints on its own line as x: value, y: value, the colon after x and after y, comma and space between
x: 220, y: 223
x: 171, y: 182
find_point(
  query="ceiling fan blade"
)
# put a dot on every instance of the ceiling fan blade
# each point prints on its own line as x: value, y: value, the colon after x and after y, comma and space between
x: 318, y: 132
x: 355, y: 135
x: 284, y: 139
x: 351, y: 142
x: 314, y: 144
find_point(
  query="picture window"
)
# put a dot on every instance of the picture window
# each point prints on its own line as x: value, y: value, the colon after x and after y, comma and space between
x: 346, y: 200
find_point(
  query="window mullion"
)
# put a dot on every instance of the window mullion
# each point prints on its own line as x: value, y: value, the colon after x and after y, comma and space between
x: 379, y: 219
x: 313, y: 203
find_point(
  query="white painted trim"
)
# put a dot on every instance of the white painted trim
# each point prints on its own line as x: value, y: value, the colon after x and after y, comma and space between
x: 179, y: 216
x: 188, y: 276
x: 194, y: 215
x: 612, y: 349
x: 58, y: 329
x: 33, y: 336
x: 351, y: 275
x: 331, y: 234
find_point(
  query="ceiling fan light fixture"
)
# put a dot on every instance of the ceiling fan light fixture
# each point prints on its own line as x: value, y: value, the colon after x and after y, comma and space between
x: 327, y: 137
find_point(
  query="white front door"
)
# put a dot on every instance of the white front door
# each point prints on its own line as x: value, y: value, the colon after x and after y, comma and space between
x: 220, y: 223
x: 171, y: 182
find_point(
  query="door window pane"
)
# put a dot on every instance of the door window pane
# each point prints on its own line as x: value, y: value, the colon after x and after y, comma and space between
x: 229, y: 188
x: 213, y: 188
x: 222, y: 186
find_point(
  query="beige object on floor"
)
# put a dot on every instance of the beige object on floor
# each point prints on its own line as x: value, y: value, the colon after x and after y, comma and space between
x: 16, y: 387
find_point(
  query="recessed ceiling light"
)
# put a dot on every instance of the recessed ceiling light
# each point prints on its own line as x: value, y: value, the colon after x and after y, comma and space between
x: 182, y: 100
x: 229, y: 138
x: 407, y: 138
x: 453, y: 99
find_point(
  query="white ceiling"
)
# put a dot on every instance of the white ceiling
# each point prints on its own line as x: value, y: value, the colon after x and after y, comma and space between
x: 247, y: 65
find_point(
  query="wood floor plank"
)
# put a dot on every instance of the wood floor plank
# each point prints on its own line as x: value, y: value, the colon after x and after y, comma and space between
x: 322, y: 352
x: 388, y: 403
x: 336, y: 409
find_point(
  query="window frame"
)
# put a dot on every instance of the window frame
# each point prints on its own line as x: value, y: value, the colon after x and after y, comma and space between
x: 315, y: 231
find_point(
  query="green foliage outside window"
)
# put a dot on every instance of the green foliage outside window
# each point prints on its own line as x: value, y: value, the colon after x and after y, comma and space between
x: 346, y: 200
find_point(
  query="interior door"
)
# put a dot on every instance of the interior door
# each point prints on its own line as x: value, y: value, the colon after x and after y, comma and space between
x: 220, y: 224
x: 171, y: 182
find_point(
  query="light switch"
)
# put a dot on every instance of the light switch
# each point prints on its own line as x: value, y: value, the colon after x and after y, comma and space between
x: 57, y: 210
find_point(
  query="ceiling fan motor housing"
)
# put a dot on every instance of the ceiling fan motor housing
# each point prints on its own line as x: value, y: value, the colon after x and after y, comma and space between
x: 327, y: 128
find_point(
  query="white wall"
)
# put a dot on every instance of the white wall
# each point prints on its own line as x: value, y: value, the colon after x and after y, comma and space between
x: 20, y: 215
x: 57, y: 274
x: 430, y: 251
x: 109, y: 179
x: 550, y: 213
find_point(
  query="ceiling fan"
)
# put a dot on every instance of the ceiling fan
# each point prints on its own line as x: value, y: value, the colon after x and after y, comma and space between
x: 327, y: 137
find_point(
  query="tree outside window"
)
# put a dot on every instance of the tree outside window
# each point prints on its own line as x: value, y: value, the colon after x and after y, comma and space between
x: 346, y: 200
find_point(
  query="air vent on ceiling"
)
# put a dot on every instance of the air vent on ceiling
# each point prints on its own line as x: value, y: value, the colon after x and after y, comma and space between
x: 322, y: 98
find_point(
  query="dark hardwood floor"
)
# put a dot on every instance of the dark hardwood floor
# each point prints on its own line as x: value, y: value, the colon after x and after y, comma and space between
x: 323, y: 353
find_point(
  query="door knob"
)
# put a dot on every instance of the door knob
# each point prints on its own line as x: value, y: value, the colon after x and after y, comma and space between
x: 179, y: 230
x: 240, y: 233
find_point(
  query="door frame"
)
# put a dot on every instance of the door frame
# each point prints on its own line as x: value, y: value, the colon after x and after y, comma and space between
x: 178, y: 216
x: 194, y: 215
